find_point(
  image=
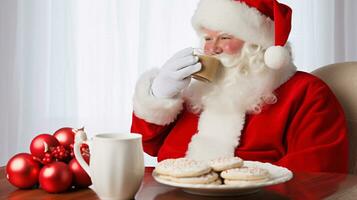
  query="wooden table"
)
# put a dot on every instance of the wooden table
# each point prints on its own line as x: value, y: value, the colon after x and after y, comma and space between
x: 304, y: 186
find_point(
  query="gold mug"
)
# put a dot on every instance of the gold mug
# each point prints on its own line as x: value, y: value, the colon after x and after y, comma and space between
x: 210, y: 67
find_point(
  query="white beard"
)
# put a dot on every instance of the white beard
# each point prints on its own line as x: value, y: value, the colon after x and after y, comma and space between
x: 234, y: 89
x: 223, y: 104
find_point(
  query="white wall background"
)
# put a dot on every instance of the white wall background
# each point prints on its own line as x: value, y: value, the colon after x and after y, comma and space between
x: 75, y: 62
x: 323, y: 32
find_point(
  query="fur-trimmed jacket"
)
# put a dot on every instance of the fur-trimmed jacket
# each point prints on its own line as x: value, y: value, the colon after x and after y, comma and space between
x: 305, y: 130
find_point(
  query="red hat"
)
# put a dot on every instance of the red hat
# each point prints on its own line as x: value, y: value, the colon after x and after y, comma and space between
x: 263, y: 22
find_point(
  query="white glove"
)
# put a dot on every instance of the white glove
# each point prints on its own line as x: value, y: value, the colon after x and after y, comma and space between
x: 174, y: 74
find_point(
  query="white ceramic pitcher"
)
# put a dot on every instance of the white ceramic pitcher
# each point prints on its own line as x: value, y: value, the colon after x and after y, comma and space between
x: 116, y: 163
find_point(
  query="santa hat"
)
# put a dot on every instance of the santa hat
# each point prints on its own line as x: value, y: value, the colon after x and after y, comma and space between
x: 262, y: 22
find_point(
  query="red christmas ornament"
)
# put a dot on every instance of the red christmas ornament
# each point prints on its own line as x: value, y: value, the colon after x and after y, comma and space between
x: 80, y: 178
x: 42, y: 144
x: 71, y: 150
x: 48, y: 158
x: 55, y: 177
x: 22, y: 171
x: 65, y: 136
x: 84, y: 148
x: 61, y: 153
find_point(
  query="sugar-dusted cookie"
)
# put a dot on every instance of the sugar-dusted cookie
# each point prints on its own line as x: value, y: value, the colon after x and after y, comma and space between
x: 224, y: 163
x: 246, y: 173
x: 182, y: 167
x: 244, y: 182
x: 203, y: 179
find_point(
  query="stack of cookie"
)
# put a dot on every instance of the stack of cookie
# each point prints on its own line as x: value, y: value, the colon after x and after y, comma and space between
x: 228, y: 169
x: 233, y: 172
x: 184, y: 170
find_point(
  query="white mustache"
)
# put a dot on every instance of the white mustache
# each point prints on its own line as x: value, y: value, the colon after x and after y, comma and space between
x: 229, y: 60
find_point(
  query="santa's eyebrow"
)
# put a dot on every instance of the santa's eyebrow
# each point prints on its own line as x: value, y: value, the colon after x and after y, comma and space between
x: 225, y: 34
x: 204, y: 35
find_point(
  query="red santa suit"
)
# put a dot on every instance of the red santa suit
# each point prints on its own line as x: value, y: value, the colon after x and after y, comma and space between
x: 305, y: 130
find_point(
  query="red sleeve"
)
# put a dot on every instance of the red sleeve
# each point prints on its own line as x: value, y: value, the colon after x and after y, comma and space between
x: 316, y: 138
x: 152, y: 135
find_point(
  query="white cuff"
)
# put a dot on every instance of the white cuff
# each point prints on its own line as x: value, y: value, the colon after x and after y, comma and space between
x: 160, y: 111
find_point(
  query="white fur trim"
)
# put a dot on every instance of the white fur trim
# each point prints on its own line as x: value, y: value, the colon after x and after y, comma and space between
x: 161, y: 111
x: 235, y: 18
x: 218, y: 135
x: 276, y: 57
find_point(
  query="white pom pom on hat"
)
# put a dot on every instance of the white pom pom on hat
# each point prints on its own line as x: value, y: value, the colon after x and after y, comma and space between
x: 276, y: 57
x: 263, y: 22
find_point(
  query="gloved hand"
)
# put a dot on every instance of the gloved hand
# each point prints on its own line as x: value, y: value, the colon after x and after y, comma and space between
x: 174, y: 74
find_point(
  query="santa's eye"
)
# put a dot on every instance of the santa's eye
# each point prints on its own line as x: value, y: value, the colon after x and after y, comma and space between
x: 208, y: 39
x: 226, y: 37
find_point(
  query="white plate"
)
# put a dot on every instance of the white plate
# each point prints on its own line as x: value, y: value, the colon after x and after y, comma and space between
x: 278, y: 175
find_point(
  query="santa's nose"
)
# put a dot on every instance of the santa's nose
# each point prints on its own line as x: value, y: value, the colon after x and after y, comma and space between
x: 214, y: 50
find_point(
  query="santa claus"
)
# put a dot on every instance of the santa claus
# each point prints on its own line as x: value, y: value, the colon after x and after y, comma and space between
x: 258, y: 107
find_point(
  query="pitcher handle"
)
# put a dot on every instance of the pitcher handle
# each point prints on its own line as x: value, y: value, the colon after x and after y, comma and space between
x: 80, y: 138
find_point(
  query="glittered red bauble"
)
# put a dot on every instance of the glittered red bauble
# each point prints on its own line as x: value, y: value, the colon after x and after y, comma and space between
x: 80, y: 178
x: 22, y: 171
x: 61, y: 153
x: 41, y: 144
x: 55, y: 177
x: 65, y: 136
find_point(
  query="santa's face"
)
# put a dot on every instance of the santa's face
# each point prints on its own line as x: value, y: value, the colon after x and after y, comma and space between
x: 221, y: 43
x: 245, y: 83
